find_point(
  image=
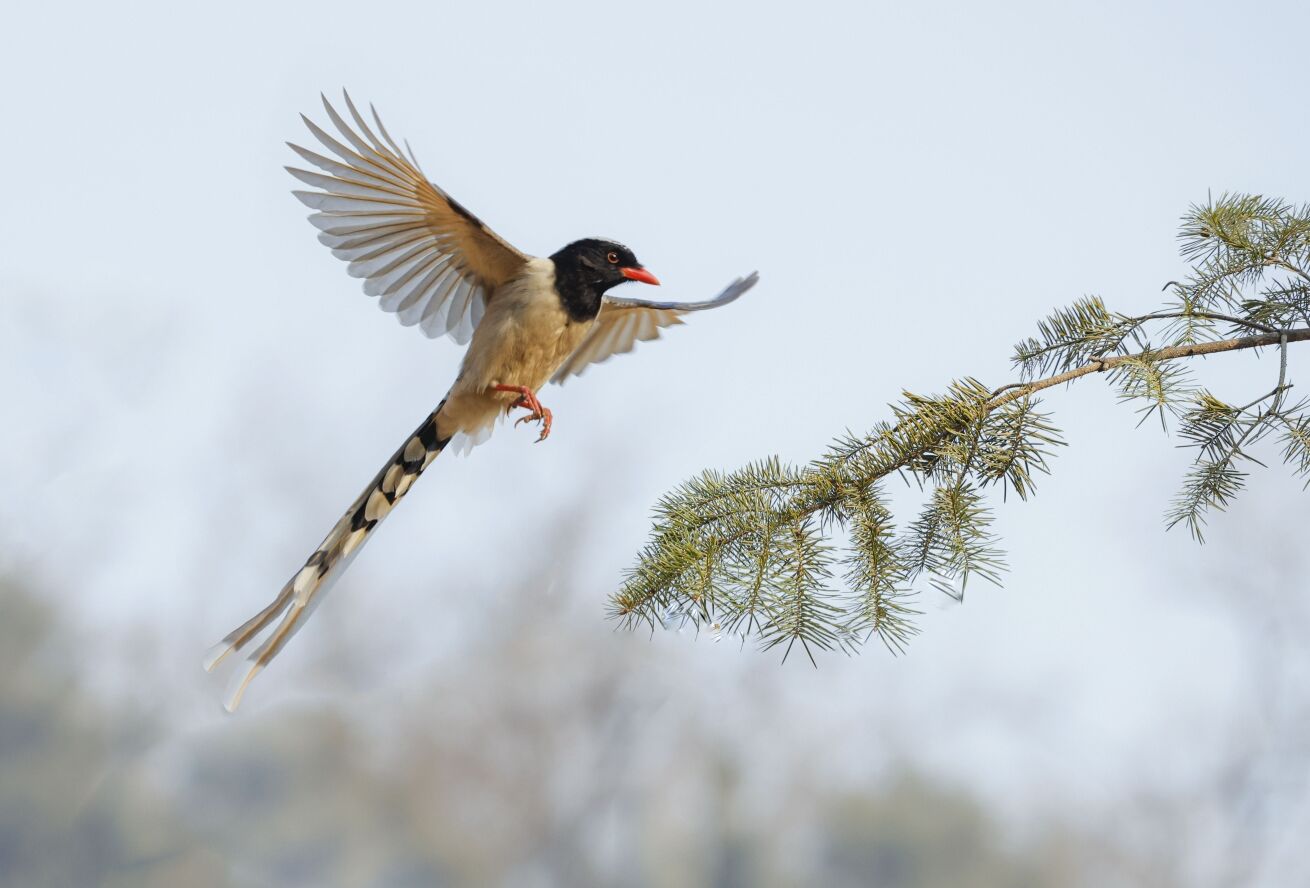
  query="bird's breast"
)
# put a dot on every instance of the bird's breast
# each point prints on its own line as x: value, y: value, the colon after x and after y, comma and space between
x: 525, y: 334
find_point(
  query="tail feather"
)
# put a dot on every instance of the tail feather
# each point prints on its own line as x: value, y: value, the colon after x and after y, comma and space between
x: 239, y: 637
x: 306, y: 589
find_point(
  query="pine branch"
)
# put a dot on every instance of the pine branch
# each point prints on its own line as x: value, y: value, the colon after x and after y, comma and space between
x: 752, y: 551
x: 1100, y: 365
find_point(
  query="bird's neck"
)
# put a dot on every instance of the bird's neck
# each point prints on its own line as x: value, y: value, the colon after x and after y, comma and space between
x: 578, y: 290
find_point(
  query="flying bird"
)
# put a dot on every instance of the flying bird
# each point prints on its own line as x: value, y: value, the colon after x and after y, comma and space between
x: 427, y: 259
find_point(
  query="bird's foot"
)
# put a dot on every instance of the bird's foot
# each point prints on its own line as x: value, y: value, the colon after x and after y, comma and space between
x: 528, y: 400
x: 540, y: 414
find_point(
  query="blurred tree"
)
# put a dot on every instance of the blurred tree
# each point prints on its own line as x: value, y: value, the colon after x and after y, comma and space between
x: 921, y: 835
x: 539, y: 769
x: 750, y: 551
x: 71, y: 812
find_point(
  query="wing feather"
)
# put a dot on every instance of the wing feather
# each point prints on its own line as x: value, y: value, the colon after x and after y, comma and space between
x: 343, y: 225
x: 438, y: 317
x: 360, y: 252
x: 343, y: 171
x: 356, y: 245
x: 432, y: 262
x: 351, y: 187
x: 363, y: 126
x: 624, y: 321
x: 363, y: 149
x: 359, y: 164
x: 412, y: 306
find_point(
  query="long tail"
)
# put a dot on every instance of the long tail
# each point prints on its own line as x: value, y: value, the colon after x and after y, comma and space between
x: 304, y: 590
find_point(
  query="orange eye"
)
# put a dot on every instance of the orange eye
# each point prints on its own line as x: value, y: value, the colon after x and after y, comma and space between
x: 613, y: 258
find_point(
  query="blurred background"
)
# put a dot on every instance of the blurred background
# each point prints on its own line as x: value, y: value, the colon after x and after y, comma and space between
x: 194, y: 390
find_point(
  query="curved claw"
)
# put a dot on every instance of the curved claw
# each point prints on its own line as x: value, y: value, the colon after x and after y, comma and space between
x: 541, y: 415
x: 528, y: 401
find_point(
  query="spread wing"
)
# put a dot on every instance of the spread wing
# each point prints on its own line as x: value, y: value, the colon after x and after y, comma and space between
x: 426, y: 258
x: 624, y: 322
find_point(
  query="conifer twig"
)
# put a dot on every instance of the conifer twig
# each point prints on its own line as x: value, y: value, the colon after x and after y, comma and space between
x: 1016, y: 390
x: 749, y: 549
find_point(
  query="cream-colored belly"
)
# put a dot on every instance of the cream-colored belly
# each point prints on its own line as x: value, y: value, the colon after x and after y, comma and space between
x: 522, y: 340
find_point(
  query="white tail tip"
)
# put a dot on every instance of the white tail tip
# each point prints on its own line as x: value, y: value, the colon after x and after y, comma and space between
x: 217, y: 654
x: 236, y: 687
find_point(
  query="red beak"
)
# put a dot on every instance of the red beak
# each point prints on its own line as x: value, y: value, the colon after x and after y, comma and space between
x: 640, y: 274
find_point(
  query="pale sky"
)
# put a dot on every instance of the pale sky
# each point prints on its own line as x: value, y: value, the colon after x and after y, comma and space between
x: 197, y: 388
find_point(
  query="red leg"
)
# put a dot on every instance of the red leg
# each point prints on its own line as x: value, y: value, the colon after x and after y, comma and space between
x: 528, y: 400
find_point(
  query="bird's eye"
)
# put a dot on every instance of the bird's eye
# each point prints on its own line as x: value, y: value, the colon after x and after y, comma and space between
x: 613, y: 258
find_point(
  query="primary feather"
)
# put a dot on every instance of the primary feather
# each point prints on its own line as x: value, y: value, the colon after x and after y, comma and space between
x: 427, y: 258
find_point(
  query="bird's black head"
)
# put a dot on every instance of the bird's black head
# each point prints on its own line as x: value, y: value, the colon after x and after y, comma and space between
x: 585, y: 269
